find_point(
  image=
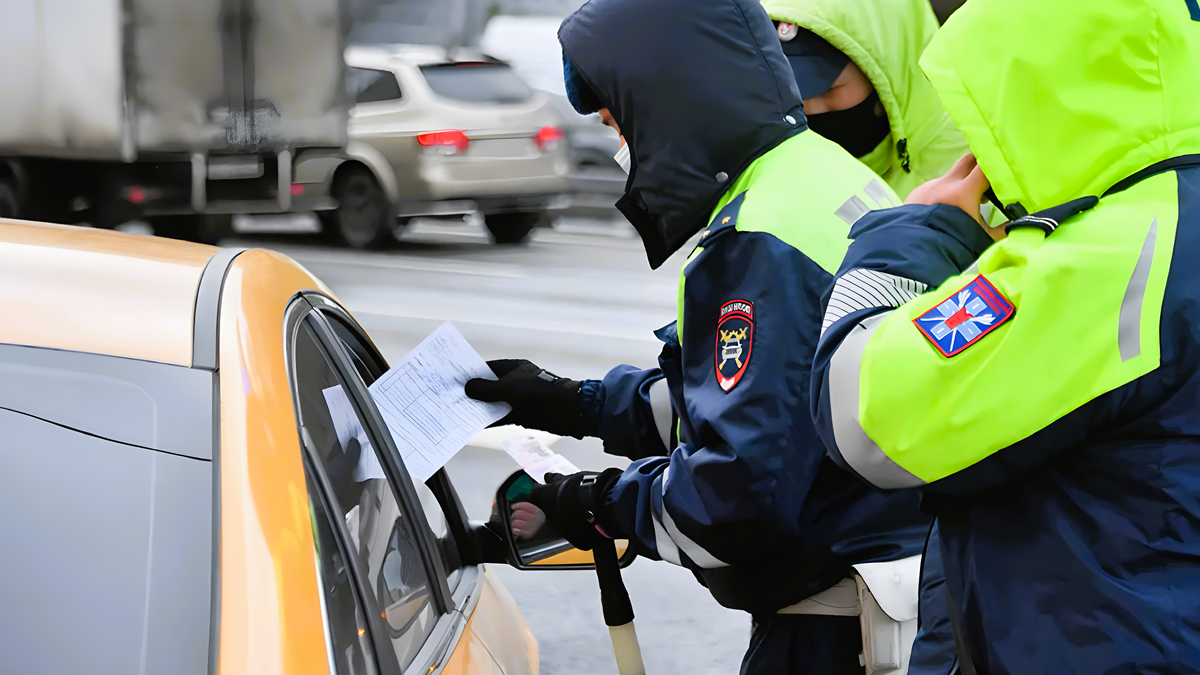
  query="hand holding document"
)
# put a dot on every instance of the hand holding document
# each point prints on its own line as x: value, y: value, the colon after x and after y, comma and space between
x: 421, y: 399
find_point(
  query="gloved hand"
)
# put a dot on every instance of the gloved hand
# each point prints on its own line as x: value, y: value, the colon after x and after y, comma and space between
x: 539, y: 398
x: 574, y: 505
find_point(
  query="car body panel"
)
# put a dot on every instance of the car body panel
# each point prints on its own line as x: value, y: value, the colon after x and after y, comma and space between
x: 102, y: 277
x: 267, y: 604
x: 270, y: 604
x: 496, y: 640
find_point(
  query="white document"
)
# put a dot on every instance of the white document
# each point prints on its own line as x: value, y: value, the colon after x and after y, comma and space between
x: 537, y: 459
x: 423, y: 403
x: 347, y: 426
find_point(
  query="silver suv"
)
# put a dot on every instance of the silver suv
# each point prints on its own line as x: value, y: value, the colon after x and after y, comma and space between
x: 444, y: 134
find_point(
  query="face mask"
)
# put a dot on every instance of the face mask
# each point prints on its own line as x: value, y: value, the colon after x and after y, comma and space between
x: 622, y: 157
x: 859, y: 130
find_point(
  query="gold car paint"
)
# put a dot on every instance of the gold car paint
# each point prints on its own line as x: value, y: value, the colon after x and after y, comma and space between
x: 102, y: 277
x: 133, y: 296
x: 496, y: 640
x: 270, y: 608
x: 575, y: 556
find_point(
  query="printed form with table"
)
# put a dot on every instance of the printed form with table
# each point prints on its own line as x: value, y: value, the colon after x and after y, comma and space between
x: 421, y: 398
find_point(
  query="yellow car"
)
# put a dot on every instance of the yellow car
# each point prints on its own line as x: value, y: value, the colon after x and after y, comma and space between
x: 175, y: 494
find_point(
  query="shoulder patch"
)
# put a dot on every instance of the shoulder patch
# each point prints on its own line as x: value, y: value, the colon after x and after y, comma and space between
x: 735, y: 338
x: 972, y: 312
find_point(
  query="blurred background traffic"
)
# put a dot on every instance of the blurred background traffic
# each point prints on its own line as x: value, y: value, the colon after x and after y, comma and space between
x: 420, y: 157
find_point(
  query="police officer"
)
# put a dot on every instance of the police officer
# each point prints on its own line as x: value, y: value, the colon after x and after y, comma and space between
x: 1042, y: 391
x: 746, y: 499
x: 856, y: 62
x: 868, y: 94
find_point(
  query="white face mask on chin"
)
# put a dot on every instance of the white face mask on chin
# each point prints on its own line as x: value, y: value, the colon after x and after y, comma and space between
x: 622, y: 157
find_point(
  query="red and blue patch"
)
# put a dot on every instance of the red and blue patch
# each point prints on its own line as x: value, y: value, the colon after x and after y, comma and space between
x: 735, y: 338
x: 965, y: 317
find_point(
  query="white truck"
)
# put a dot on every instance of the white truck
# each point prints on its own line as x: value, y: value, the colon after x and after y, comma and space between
x: 179, y: 113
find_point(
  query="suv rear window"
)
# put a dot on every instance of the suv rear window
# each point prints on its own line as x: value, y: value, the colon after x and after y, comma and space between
x: 477, y: 82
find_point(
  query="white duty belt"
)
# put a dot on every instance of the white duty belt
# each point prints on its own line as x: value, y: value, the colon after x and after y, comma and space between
x: 884, y: 597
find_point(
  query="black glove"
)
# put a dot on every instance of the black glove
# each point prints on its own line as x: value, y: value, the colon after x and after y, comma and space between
x: 540, y: 399
x: 574, y: 506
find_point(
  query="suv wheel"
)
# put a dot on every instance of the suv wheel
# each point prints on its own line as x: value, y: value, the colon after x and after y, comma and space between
x: 363, y: 217
x: 511, y: 229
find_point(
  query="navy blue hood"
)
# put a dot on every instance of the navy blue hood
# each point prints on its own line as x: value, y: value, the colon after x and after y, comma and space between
x: 700, y: 88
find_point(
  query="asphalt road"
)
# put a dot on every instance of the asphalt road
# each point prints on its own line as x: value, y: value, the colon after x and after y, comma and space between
x: 576, y: 300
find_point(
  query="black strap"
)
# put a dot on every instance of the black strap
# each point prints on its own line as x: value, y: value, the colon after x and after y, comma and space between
x: 1173, y: 163
x: 1048, y: 220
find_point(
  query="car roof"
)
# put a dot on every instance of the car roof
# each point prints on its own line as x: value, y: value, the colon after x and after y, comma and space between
x: 99, y: 291
x: 416, y: 55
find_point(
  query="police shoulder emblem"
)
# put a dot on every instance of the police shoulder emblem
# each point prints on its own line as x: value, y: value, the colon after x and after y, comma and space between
x: 735, y: 337
x: 974, y: 311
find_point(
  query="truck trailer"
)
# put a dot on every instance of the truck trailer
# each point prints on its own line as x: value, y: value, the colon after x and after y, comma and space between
x: 178, y: 113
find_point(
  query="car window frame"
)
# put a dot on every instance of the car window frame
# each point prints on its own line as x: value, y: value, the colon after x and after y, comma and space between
x: 320, y: 492
x: 440, y: 483
x: 453, y: 608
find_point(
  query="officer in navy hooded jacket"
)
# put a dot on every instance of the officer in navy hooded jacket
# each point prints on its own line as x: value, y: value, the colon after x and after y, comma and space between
x: 735, y: 484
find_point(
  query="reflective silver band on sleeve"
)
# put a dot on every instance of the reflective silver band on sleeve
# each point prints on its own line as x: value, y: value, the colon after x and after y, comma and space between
x: 660, y: 406
x: 861, y: 289
x: 665, y: 528
x: 667, y: 550
x: 1129, y: 322
x: 856, y: 447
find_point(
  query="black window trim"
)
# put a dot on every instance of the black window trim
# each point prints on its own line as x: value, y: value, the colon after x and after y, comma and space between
x: 431, y: 658
x: 397, y: 474
x: 322, y: 488
x: 439, y: 483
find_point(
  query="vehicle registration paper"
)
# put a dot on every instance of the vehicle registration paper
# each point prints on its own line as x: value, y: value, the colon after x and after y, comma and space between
x: 421, y: 399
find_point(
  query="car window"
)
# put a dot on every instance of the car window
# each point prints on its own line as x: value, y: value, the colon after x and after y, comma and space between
x: 380, y: 533
x: 368, y: 86
x: 370, y: 366
x: 477, y: 82
x: 346, y: 630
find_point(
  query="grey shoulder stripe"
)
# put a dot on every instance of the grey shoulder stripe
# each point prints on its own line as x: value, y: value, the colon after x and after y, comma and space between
x: 876, y: 191
x: 856, y: 447
x: 863, y: 289
x: 852, y: 210
x: 1129, y: 323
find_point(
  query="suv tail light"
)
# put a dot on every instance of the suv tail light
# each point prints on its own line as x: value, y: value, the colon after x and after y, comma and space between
x: 449, y: 142
x: 548, y: 138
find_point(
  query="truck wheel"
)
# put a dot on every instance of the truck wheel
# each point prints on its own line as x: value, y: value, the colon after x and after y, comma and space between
x: 363, y: 217
x: 9, y: 207
x: 511, y: 229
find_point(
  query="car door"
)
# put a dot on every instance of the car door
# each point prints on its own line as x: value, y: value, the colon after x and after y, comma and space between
x: 410, y: 547
x: 379, y: 550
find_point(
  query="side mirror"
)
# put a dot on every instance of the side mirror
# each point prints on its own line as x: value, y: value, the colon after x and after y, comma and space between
x: 539, y: 546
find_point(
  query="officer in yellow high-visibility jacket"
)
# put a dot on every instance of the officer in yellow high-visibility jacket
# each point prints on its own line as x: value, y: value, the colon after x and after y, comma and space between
x: 1043, y: 391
